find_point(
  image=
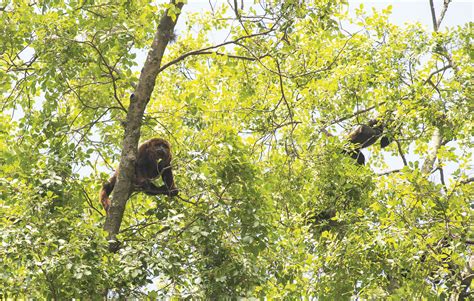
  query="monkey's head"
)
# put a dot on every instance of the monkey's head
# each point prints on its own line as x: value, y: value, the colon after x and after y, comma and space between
x: 376, y: 124
x: 160, y: 148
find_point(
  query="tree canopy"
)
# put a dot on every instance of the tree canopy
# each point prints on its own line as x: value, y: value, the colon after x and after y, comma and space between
x: 257, y: 101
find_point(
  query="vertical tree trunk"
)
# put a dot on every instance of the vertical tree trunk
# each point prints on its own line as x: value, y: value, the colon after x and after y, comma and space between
x: 434, y: 146
x: 138, y: 103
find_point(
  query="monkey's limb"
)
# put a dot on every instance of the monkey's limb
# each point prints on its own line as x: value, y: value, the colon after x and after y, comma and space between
x: 356, y: 154
x: 151, y: 189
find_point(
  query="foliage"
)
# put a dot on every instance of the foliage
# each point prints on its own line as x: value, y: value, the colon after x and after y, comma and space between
x: 268, y: 206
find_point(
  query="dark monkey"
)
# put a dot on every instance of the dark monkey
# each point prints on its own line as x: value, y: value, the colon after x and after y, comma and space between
x: 147, y: 168
x: 364, y: 136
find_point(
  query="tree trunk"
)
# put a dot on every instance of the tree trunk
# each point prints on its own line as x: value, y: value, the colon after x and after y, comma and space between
x: 434, y: 146
x: 136, y: 110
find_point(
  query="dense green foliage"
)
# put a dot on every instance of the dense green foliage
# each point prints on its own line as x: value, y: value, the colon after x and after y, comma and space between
x: 268, y: 206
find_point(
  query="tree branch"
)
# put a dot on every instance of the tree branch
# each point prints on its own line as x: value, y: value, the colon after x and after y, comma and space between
x: 436, y: 72
x: 437, y: 23
x: 282, y: 89
x: 206, y: 49
x: 389, y: 172
x: 400, y: 151
x: 441, y: 175
x: 356, y: 113
x: 232, y: 56
x: 433, y: 16
x: 443, y: 12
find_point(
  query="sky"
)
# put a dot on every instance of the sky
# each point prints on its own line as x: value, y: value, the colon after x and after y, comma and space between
x: 459, y: 12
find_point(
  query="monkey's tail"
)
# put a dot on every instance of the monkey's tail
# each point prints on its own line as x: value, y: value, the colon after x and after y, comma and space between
x: 106, y: 191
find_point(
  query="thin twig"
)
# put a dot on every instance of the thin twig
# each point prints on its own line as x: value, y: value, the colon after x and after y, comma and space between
x: 233, y: 56
x: 400, y: 151
x: 389, y: 172
x: 441, y: 175
x: 436, y: 72
x: 89, y: 201
x: 328, y: 67
x: 110, y: 71
x: 467, y: 181
x: 356, y: 113
x: 199, y: 51
x: 283, y: 91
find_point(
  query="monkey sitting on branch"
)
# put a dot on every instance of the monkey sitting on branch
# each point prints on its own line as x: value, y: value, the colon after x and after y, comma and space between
x: 364, y: 136
x: 153, y: 160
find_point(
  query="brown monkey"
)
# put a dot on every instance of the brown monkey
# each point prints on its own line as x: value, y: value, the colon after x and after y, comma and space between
x: 147, y: 168
x: 364, y: 136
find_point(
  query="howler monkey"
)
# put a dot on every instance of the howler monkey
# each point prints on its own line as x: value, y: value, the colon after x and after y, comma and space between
x: 147, y: 168
x: 364, y: 136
